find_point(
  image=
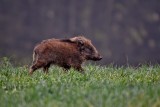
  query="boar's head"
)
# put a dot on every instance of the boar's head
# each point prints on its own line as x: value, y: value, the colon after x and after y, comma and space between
x: 86, y: 48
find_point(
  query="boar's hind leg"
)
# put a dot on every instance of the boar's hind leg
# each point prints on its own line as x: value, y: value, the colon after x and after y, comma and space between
x: 45, y: 68
x: 35, y: 66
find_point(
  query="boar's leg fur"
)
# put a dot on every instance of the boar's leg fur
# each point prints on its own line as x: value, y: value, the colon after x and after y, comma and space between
x: 38, y: 64
x: 66, y: 67
x: 78, y: 67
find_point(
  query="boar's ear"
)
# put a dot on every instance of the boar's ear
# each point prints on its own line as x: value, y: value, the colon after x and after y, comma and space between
x: 77, y: 40
x: 80, y: 42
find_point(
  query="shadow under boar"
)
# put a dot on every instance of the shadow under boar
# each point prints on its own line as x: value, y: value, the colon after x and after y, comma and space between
x: 65, y: 53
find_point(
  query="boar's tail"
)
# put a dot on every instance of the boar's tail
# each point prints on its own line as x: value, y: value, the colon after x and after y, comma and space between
x: 34, y: 57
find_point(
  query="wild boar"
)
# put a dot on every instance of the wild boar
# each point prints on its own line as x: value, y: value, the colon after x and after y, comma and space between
x: 66, y: 53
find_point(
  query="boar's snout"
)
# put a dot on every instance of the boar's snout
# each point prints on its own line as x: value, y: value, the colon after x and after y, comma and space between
x: 96, y: 57
x: 99, y: 57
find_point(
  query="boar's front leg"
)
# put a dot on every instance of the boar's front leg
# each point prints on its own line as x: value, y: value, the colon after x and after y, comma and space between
x: 79, y: 68
x: 66, y: 67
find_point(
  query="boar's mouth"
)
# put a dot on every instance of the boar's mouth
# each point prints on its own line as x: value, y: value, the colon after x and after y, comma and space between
x: 95, y: 58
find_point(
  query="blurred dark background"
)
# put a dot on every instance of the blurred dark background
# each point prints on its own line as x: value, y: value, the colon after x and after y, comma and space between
x: 124, y: 31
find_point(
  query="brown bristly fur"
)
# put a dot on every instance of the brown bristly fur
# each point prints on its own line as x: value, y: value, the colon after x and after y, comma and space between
x: 65, y: 53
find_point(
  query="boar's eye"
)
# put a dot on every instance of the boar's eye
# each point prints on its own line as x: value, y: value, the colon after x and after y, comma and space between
x: 88, y: 50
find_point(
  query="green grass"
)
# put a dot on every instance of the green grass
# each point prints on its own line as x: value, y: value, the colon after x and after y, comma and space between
x: 99, y: 87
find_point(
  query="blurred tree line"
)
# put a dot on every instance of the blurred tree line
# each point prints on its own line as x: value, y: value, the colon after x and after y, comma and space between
x: 124, y: 31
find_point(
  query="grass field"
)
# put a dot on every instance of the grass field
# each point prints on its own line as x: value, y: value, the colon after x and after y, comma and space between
x: 100, y: 87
